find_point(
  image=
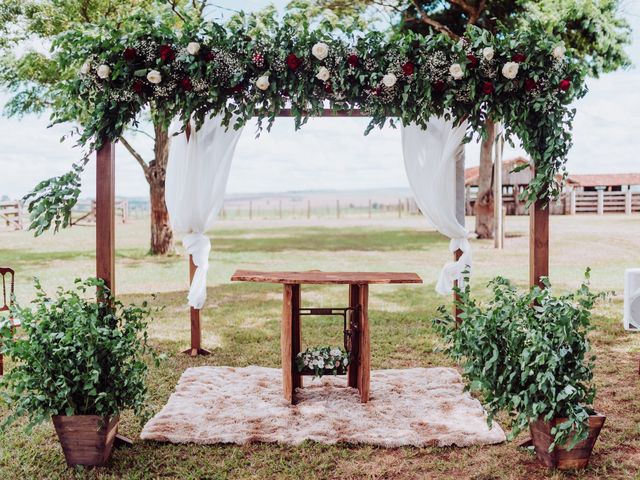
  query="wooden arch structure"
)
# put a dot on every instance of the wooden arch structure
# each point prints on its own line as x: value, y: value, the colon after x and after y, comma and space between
x: 106, y: 213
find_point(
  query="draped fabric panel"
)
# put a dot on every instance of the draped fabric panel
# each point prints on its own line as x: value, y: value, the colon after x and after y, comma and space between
x: 197, y: 174
x: 430, y: 163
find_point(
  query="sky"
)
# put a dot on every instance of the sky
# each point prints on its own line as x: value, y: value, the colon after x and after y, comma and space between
x: 329, y: 153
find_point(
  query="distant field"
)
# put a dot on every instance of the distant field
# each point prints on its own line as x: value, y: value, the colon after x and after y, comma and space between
x: 241, y: 326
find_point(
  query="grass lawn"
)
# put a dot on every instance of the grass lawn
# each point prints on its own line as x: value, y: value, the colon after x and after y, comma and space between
x: 241, y: 327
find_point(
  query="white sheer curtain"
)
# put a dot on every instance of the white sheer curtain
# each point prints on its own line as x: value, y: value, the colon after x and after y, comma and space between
x: 197, y: 174
x: 430, y: 162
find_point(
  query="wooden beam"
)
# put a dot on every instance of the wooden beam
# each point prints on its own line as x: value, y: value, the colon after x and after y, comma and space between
x: 196, y: 326
x: 538, y: 242
x: 105, y: 215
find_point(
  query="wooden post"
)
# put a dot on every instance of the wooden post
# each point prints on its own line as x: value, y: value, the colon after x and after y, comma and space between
x: 572, y: 207
x: 364, y: 344
x: 460, y: 211
x: 538, y: 243
x: 308, y: 209
x: 600, y: 202
x: 337, y: 208
x: 290, y: 340
x: 399, y: 208
x: 105, y: 215
x: 628, y: 202
x: 196, y: 326
x: 498, y: 232
x: 369, y: 208
x: 352, y: 372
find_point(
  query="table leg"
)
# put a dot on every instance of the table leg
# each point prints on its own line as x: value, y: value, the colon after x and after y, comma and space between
x: 352, y: 372
x: 290, y: 317
x: 364, y: 354
x: 296, y: 335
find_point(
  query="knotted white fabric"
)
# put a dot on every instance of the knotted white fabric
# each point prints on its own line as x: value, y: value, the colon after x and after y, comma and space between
x: 430, y: 163
x: 197, y: 174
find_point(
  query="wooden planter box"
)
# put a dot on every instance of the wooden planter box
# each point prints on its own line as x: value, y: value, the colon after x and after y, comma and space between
x: 561, y: 458
x: 86, y: 439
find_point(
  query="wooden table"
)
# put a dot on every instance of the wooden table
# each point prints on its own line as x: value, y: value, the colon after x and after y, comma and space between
x: 358, y: 373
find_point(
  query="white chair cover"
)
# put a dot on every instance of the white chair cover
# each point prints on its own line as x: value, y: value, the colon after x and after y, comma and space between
x: 430, y: 163
x: 197, y: 174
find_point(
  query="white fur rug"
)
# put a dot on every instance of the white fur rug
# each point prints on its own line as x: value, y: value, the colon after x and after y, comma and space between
x: 418, y: 406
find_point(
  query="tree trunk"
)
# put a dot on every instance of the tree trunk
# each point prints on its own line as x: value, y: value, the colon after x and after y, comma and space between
x: 484, y: 201
x: 161, y: 233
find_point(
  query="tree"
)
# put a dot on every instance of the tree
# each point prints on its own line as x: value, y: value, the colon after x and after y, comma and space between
x: 31, y: 75
x: 592, y: 29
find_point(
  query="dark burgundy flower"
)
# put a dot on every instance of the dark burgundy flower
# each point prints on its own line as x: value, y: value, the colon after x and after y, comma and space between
x: 185, y: 84
x: 353, y: 60
x: 167, y: 53
x: 473, y: 61
x: 209, y: 56
x: 439, y: 86
x: 138, y: 86
x: 129, y: 54
x: 258, y: 59
x: 519, y: 57
x: 487, y: 88
x: 530, y: 84
x: 293, y: 62
x: 408, y: 68
x: 565, y: 84
x: 237, y: 89
x: 328, y: 87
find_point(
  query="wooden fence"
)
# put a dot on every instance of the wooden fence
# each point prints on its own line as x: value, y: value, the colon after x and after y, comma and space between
x: 602, y: 202
x: 11, y: 215
x: 84, y: 213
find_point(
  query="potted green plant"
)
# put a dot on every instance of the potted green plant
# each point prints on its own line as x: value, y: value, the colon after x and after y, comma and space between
x: 319, y: 361
x: 527, y: 354
x: 80, y: 362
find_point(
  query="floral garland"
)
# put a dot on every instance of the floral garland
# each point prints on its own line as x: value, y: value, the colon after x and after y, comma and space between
x: 526, y: 81
x: 323, y: 360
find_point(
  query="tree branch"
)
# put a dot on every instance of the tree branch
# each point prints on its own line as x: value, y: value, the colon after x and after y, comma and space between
x: 433, y: 23
x: 136, y: 155
x: 174, y: 8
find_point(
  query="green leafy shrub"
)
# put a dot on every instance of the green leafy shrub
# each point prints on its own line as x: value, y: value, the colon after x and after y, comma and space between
x: 76, y: 356
x: 526, y: 354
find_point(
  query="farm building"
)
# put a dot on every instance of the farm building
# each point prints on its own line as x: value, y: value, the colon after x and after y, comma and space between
x: 583, y: 193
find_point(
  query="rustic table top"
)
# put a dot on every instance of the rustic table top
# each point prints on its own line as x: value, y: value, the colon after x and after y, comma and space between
x: 317, y: 277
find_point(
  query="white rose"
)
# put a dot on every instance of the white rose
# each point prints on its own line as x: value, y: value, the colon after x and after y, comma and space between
x: 323, y: 74
x: 103, y: 71
x: 510, y: 70
x: 85, y: 68
x: 389, y: 80
x: 487, y: 53
x: 193, y: 48
x: 154, y: 77
x: 456, y: 71
x: 559, y: 51
x: 320, y: 50
x: 263, y: 82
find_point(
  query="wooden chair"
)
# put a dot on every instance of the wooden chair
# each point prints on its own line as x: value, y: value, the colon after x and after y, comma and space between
x: 7, y: 298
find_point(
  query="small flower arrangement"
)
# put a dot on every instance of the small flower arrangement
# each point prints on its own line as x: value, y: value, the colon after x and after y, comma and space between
x: 323, y: 360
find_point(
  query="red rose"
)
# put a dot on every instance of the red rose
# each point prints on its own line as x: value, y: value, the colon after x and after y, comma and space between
x: 473, y: 61
x: 237, y: 88
x: 167, y: 53
x: 209, y: 57
x: 487, y: 88
x: 408, y: 68
x: 564, y: 84
x: 530, y: 84
x: 138, y: 86
x: 353, y: 60
x: 293, y: 62
x: 439, y: 86
x: 186, y: 85
x: 519, y: 57
x: 129, y: 54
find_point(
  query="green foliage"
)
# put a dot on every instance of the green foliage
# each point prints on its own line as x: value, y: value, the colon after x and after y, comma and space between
x: 51, y: 201
x: 526, y: 353
x: 76, y: 356
x: 222, y: 77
